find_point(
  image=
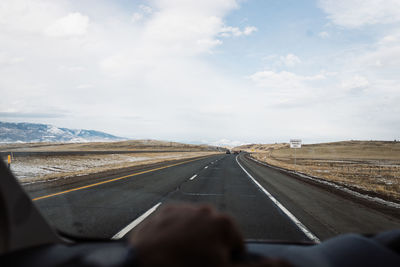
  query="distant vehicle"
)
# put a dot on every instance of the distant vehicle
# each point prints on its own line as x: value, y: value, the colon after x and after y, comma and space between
x: 236, y: 152
x: 228, y: 152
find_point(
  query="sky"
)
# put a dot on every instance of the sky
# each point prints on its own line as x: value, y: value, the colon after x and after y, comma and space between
x: 212, y: 71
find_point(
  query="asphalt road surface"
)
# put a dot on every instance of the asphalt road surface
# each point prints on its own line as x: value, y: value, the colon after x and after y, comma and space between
x: 266, y: 203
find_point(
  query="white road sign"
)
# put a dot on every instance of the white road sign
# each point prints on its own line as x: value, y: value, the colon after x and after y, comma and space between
x: 295, y: 143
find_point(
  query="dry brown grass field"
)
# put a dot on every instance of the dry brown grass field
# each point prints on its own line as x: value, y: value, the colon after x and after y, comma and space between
x: 33, y: 168
x: 131, y: 145
x: 372, y: 166
x: 45, y: 168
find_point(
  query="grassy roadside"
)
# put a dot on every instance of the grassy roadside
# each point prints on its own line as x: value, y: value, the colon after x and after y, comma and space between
x: 372, y: 166
x: 131, y: 145
x: 37, y: 168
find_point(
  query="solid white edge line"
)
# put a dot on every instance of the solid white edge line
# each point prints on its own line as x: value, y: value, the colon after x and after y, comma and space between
x: 339, y: 187
x: 299, y: 224
x: 194, y: 176
x: 133, y: 224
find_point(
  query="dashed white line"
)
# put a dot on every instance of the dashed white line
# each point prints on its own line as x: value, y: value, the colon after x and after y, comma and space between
x: 194, y: 176
x: 133, y: 224
x: 205, y: 167
x: 299, y: 224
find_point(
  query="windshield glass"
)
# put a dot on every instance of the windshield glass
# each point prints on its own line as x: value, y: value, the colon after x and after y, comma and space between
x: 283, y: 114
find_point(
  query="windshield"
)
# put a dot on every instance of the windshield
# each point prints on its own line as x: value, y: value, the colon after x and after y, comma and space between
x: 283, y: 114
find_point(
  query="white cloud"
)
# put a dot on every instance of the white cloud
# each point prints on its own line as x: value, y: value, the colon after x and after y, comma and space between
x: 180, y: 30
x: 84, y: 86
x: 209, y: 42
x: 7, y: 59
x: 144, y: 12
x: 72, y: 68
x: 380, y: 60
x: 215, y: 7
x: 145, y: 69
x: 146, y: 9
x: 152, y: 80
x: 324, y: 35
x: 29, y: 16
x: 355, y: 82
x: 249, y: 30
x: 137, y: 17
x: 226, y: 143
x: 73, y: 24
x: 229, y: 31
x: 283, y: 79
x: 288, y: 89
x: 393, y: 38
x: 383, y: 58
x: 290, y: 60
x: 357, y: 13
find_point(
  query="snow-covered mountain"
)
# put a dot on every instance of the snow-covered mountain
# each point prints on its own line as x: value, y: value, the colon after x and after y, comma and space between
x: 226, y: 143
x: 32, y: 132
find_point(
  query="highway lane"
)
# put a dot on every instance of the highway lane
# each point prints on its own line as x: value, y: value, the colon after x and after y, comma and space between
x: 228, y: 188
x: 103, y: 210
x: 323, y: 210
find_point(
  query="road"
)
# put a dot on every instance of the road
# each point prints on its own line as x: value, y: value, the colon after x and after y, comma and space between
x: 272, y: 206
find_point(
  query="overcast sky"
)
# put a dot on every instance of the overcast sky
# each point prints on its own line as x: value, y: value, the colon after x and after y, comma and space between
x: 187, y: 70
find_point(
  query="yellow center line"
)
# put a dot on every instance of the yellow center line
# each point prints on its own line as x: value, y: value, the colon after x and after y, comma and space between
x: 113, y: 180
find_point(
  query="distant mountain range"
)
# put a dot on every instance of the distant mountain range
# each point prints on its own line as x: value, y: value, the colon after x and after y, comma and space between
x: 32, y: 132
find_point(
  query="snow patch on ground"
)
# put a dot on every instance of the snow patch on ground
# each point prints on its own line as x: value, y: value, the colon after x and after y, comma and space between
x: 45, y: 168
x: 34, y: 167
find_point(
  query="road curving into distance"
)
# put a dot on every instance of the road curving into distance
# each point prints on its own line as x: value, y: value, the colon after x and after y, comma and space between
x: 266, y: 203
